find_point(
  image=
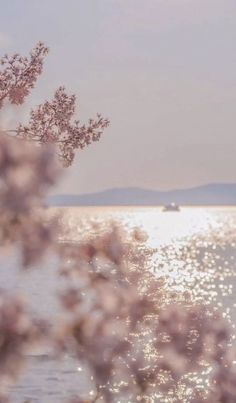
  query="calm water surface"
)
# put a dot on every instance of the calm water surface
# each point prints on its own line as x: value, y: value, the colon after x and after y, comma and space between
x: 195, y: 253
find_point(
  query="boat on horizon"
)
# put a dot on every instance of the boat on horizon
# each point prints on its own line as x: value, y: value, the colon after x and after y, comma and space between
x: 171, y: 207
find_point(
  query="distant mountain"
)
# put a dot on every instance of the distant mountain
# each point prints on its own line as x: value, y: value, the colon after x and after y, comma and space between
x: 212, y: 194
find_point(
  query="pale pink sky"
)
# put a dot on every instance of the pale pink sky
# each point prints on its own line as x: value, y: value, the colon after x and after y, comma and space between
x: 163, y: 71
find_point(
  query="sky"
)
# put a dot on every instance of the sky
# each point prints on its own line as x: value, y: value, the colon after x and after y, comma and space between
x: 162, y: 71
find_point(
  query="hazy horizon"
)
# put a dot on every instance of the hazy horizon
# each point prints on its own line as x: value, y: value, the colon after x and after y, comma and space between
x: 208, y: 195
x: 55, y: 191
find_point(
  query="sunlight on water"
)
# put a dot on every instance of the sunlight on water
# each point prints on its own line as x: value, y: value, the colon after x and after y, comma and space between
x: 193, y: 254
x: 161, y: 227
x: 179, y: 238
x: 194, y: 249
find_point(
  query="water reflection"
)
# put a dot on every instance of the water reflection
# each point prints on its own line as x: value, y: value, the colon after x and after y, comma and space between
x: 194, y: 250
x: 193, y: 254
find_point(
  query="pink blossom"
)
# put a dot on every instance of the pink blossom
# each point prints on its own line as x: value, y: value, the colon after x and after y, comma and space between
x: 20, y: 74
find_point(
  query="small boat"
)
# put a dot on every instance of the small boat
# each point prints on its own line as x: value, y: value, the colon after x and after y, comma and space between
x: 171, y: 207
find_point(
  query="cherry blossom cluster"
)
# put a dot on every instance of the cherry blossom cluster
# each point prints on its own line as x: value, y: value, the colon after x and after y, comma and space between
x: 26, y: 174
x: 19, y: 74
x: 108, y: 311
x: 52, y: 122
x: 19, y: 332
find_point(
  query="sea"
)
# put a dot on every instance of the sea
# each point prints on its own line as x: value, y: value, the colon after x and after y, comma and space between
x: 193, y: 252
